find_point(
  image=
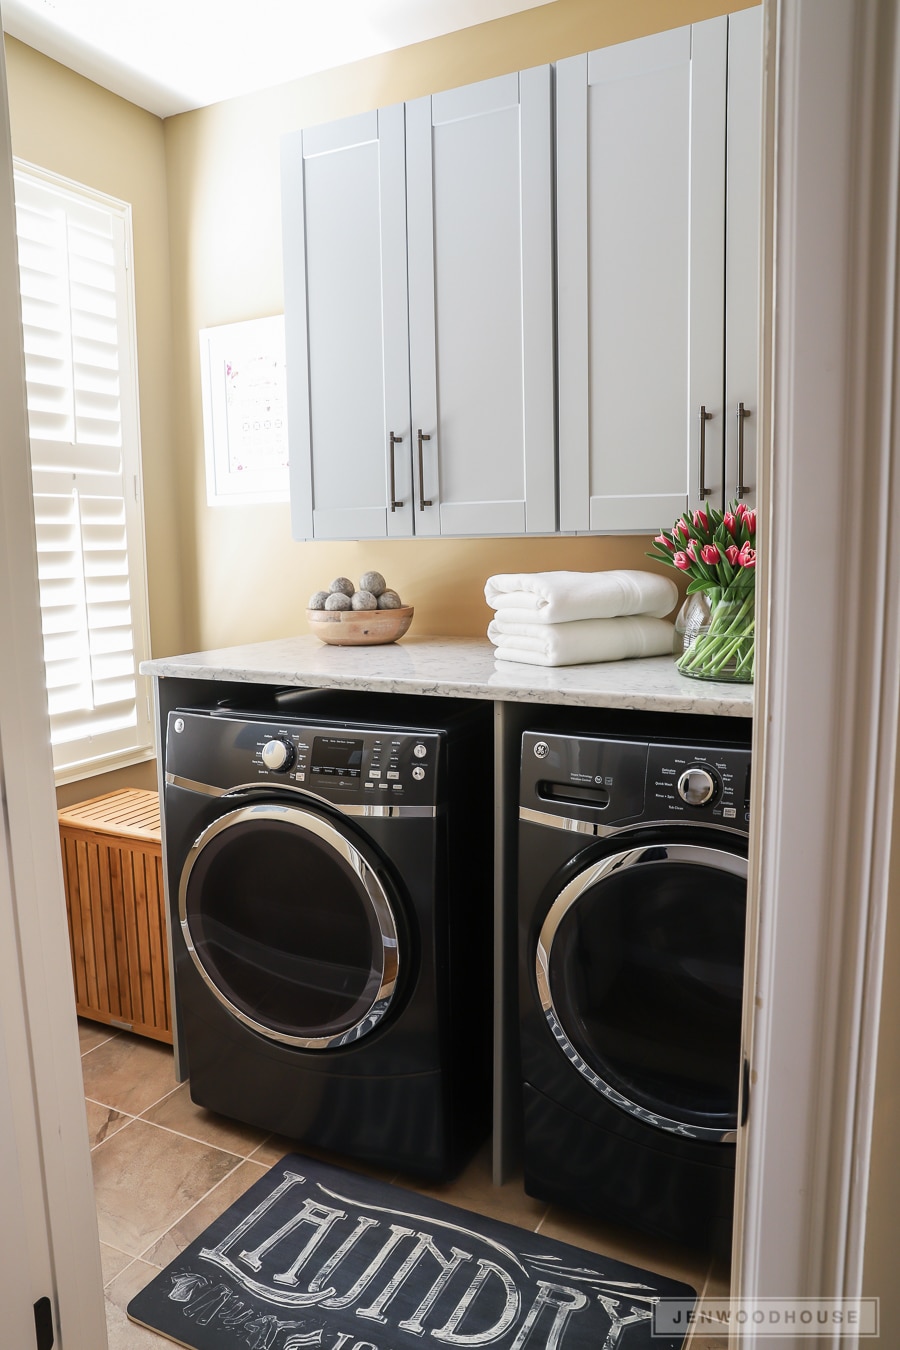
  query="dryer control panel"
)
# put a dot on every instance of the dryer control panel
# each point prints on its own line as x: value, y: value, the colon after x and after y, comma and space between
x: 343, y: 764
x: 616, y: 782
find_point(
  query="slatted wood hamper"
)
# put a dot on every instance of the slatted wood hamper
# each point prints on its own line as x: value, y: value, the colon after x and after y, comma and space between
x: 112, y: 864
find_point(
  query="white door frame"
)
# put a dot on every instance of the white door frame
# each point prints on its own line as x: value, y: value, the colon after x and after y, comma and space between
x: 827, y: 711
x: 46, y: 1161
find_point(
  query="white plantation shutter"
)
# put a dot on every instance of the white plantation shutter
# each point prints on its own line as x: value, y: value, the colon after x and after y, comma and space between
x: 77, y: 316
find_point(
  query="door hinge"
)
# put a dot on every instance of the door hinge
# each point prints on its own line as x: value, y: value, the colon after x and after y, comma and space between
x: 43, y: 1324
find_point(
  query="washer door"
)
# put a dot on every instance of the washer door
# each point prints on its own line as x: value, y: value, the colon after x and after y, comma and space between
x: 639, y: 970
x: 290, y: 926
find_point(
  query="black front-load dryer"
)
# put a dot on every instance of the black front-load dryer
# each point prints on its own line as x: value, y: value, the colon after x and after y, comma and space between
x: 329, y: 878
x: 632, y: 898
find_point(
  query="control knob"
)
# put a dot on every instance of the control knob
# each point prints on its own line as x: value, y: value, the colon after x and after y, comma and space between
x: 696, y: 786
x: 278, y: 755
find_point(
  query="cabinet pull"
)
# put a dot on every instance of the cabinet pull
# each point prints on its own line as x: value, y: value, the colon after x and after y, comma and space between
x: 395, y: 440
x: 423, y: 501
x: 704, y: 418
x: 742, y: 488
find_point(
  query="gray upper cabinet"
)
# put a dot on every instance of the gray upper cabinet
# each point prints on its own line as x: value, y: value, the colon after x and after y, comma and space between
x: 658, y: 206
x: 418, y: 247
x: 346, y: 330
x: 742, y: 251
x: 440, y: 280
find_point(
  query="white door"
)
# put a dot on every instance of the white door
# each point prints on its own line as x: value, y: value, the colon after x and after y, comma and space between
x: 479, y: 189
x: 48, y: 1224
x: 742, y: 222
x: 346, y: 334
x: 640, y: 228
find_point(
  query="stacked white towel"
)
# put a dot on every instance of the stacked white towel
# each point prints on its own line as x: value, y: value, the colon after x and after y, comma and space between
x: 572, y: 618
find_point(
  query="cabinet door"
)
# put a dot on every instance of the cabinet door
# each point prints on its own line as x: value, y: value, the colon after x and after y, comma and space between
x: 346, y: 328
x: 481, y: 307
x: 742, y: 253
x: 640, y: 228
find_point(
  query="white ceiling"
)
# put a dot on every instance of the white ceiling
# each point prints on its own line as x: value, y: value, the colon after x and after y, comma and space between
x: 169, y: 56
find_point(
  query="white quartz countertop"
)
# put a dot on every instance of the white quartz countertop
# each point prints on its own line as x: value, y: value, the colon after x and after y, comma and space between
x: 460, y: 668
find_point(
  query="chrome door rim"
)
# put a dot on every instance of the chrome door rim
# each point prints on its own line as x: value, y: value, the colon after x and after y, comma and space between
x: 568, y: 896
x: 375, y: 892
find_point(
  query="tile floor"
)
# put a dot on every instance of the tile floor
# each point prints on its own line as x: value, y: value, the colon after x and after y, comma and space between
x: 165, y: 1168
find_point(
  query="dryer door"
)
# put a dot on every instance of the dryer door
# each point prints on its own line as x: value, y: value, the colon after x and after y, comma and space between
x: 290, y: 925
x: 639, y: 969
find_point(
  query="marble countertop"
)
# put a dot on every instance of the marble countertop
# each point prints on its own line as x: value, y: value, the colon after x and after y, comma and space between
x: 460, y: 668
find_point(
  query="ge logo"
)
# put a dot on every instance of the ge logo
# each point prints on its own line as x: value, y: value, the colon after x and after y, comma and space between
x: 598, y: 778
x: 541, y: 749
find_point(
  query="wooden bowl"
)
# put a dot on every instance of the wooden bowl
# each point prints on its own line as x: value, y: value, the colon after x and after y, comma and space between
x: 359, y: 627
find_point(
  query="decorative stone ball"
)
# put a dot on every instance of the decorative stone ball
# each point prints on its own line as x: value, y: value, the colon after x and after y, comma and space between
x: 337, y: 600
x: 363, y: 600
x: 317, y: 601
x: 373, y: 582
x: 342, y: 586
x: 389, y: 600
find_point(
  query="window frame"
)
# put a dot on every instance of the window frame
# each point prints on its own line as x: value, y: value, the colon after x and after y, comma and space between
x: 143, y: 743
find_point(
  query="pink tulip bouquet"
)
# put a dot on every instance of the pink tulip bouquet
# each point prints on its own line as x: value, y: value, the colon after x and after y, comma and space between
x: 716, y: 550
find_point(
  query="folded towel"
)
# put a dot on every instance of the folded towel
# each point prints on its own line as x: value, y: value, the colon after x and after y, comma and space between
x: 561, y: 597
x: 581, y: 641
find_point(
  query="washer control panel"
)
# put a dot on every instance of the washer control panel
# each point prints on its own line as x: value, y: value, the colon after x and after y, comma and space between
x: 339, y: 762
x: 619, y: 782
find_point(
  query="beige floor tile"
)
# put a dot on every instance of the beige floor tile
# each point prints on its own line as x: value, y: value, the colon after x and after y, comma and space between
x: 112, y: 1262
x: 124, y: 1334
x: 474, y: 1189
x: 129, y: 1073
x: 146, y: 1178
x: 178, y: 1112
x: 636, y: 1249
x: 103, y: 1121
x: 93, y: 1033
x: 181, y: 1234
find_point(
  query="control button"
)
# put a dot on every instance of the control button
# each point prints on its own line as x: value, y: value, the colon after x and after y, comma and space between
x: 278, y: 755
x: 398, y: 787
x: 370, y: 786
x: 729, y: 812
x: 374, y: 773
x: 383, y: 787
x: 420, y: 751
x: 696, y: 786
x: 418, y: 773
x: 392, y: 773
x: 300, y: 777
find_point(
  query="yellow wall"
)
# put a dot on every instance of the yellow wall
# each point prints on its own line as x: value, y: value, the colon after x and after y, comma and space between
x: 245, y: 579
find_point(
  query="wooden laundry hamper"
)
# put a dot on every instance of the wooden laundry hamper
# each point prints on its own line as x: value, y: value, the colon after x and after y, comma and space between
x: 112, y: 865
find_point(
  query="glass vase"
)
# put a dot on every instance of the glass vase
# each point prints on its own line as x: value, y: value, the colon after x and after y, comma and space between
x: 715, y: 635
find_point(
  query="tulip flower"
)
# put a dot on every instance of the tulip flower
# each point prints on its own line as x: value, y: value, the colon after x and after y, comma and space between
x: 716, y: 551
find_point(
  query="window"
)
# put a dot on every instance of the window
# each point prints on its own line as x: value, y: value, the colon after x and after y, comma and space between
x: 80, y: 371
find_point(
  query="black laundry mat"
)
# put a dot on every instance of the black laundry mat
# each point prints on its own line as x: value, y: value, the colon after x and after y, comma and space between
x: 314, y: 1255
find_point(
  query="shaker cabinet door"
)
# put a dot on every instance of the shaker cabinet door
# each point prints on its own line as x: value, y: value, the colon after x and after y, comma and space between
x: 480, y: 242
x: 640, y: 238
x: 742, y: 253
x: 346, y: 328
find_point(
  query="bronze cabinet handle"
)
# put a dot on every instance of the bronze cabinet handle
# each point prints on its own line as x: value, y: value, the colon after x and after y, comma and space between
x: 423, y: 500
x: 395, y: 440
x: 742, y: 488
x: 704, y: 418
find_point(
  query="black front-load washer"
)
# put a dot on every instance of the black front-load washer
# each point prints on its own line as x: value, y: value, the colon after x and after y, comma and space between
x: 632, y: 899
x: 329, y: 876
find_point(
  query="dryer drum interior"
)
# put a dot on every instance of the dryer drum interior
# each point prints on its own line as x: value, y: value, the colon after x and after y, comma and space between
x: 639, y: 967
x: 303, y: 972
